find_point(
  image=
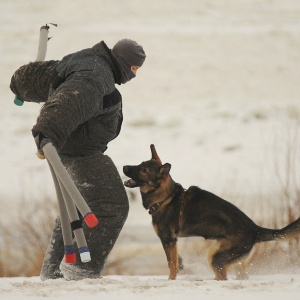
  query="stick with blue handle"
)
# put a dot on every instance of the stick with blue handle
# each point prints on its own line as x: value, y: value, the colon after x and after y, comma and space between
x: 76, y: 225
x: 43, y: 39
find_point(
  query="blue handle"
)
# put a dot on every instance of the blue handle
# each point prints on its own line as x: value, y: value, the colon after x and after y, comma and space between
x: 18, y: 101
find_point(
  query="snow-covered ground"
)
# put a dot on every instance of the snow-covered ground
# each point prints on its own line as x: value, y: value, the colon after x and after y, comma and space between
x: 218, y: 96
x: 275, y: 287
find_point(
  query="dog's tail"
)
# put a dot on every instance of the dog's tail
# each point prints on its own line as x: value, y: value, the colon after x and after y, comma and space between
x: 288, y: 232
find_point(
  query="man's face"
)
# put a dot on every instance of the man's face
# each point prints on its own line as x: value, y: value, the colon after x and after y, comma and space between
x: 134, y: 69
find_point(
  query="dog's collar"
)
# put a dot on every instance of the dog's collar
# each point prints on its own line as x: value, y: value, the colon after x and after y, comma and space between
x: 155, y: 207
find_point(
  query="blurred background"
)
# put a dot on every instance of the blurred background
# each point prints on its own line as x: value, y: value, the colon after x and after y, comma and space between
x: 218, y: 95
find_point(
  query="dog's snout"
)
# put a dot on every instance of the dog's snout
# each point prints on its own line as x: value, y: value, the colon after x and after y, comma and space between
x: 125, y: 169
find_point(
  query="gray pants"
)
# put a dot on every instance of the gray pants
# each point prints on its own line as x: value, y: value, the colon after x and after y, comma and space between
x: 98, y: 180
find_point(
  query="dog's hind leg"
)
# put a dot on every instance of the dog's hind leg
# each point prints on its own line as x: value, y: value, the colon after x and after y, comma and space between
x: 224, y: 253
x: 213, y: 249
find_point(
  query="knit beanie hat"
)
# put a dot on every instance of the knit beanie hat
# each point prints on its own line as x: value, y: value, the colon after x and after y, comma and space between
x: 129, y: 53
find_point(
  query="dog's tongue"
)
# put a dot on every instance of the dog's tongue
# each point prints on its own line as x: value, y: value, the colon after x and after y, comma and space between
x: 130, y: 183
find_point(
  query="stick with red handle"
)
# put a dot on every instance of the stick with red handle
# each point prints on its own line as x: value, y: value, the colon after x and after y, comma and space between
x: 67, y: 182
x: 69, y: 196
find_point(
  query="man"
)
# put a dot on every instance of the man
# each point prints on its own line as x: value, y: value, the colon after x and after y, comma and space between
x: 81, y: 115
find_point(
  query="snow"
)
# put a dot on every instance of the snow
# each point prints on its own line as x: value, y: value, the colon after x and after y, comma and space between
x: 149, y: 287
x: 218, y: 96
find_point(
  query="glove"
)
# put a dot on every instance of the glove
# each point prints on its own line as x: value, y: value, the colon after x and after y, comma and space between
x: 41, y: 141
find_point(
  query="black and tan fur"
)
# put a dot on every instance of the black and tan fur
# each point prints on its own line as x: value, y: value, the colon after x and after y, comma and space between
x: 177, y: 212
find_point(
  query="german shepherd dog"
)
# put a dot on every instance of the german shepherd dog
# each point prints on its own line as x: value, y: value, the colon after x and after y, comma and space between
x: 177, y: 212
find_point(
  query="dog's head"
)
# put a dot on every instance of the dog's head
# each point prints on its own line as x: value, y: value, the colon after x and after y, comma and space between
x: 149, y: 174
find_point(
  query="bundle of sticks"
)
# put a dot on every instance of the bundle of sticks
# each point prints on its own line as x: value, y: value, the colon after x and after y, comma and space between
x: 70, y: 201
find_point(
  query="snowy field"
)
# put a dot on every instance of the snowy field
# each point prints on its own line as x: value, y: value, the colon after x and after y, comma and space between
x: 218, y: 95
x: 144, y: 287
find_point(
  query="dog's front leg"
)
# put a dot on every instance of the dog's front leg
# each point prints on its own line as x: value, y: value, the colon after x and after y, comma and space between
x: 172, y: 257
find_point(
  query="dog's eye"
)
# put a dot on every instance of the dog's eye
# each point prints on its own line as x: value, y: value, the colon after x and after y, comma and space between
x: 144, y: 170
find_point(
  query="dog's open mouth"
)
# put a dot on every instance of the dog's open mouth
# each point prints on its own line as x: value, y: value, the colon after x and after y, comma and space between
x: 130, y: 183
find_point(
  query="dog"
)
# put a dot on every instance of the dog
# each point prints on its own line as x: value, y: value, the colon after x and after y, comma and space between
x: 177, y: 212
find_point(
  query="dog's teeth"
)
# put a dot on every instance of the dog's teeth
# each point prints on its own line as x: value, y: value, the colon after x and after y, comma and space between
x: 127, y: 183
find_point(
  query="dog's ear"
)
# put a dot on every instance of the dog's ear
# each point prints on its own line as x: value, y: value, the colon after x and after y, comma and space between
x: 154, y: 153
x: 165, y: 169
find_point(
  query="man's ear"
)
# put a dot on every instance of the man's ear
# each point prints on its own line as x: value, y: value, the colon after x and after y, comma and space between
x: 165, y: 169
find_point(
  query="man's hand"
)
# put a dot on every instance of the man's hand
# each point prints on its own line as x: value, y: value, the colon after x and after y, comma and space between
x: 41, y: 141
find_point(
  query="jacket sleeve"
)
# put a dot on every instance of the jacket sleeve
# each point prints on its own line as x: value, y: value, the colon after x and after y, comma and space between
x: 75, y: 101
